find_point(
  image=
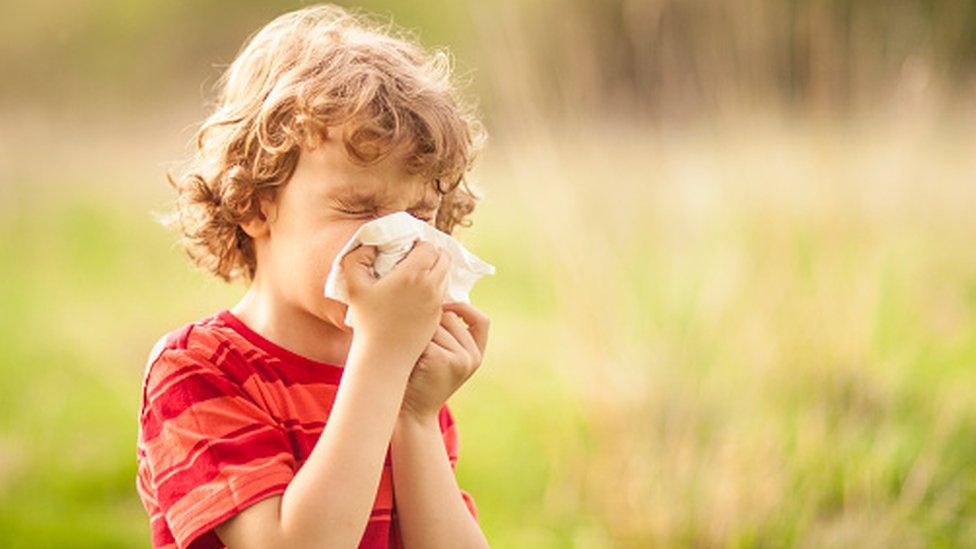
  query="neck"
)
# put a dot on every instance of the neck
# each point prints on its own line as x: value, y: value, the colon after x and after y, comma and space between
x: 291, y: 327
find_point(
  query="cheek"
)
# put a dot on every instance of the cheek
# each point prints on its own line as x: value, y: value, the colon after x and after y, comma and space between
x: 325, y: 253
x: 322, y: 251
x: 315, y: 258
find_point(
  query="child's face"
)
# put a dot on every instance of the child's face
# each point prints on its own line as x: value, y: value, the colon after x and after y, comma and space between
x: 317, y: 211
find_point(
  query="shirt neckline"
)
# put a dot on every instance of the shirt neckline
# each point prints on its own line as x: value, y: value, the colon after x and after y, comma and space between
x: 271, y: 347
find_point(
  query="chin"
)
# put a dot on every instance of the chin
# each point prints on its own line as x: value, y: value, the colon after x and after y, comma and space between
x: 334, y: 312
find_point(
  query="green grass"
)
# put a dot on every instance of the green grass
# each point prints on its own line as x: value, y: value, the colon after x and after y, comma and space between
x: 697, y: 339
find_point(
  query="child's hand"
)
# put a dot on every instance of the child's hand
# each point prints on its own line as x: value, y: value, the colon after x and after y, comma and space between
x: 453, y: 354
x: 401, y: 309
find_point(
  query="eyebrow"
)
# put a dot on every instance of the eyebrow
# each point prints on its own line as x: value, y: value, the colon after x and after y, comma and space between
x: 357, y: 199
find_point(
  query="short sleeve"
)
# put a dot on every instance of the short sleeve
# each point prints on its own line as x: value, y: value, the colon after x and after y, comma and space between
x: 210, y: 449
x: 451, y: 443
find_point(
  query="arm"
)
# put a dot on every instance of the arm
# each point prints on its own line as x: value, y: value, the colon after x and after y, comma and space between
x: 429, y: 503
x: 328, y: 502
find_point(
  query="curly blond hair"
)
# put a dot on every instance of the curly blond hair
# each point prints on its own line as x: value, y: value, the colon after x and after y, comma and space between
x: 308, y: 70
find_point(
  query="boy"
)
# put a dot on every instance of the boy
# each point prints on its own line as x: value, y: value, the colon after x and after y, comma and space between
x: 246, y: 436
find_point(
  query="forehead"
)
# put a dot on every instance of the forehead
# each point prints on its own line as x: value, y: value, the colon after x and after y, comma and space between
x: 416, y: 194
x: 385, y: 183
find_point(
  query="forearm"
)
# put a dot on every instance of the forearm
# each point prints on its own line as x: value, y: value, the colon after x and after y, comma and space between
x: 429, y: 504
x: 328, y: 503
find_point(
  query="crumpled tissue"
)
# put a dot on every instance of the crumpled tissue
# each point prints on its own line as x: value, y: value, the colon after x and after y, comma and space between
x: 394, y: 235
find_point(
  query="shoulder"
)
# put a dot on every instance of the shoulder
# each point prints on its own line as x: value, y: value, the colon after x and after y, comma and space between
x: 207, y: 449
x: 198, y: 336
x: 196, y: 345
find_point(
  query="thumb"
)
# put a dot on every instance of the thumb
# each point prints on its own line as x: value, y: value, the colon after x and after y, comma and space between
x: 357, y: 266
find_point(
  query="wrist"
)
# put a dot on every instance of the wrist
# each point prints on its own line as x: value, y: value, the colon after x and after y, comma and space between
x: 420, y: 419
x: 372, y: 358
x: 384, y: 345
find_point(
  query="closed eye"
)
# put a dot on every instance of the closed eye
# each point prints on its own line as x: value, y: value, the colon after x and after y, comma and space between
x: 355, y: 211
x: 427, y: 219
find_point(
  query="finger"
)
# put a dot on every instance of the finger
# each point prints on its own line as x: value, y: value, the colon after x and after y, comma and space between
x: 477, y: 321
x: 421, y: 257
x: 441, y: 272
x: 361, y: 254
x: 442, y: 263
x: 460, y: 332
x: 444, y: 338
x: 358, y: 264
x: 436, y: 353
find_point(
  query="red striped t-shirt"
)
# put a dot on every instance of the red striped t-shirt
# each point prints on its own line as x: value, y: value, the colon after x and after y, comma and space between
x: 227, y: 419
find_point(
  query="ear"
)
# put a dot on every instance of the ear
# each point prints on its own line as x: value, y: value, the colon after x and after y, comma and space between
x: 259, y: 225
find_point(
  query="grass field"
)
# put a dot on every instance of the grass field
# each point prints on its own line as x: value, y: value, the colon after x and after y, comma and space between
x: 757, y: 334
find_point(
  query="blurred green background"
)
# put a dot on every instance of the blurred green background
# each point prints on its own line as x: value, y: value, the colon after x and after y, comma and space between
x: 736, y: 292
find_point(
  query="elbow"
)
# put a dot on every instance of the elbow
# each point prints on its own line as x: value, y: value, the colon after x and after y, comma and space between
x: 337, y: 537
x: 478, y: 539
x: 305, y: 542
x: 478, y: 543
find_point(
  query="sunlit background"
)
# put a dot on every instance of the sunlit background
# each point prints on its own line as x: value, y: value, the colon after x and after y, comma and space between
x: 735, y: 301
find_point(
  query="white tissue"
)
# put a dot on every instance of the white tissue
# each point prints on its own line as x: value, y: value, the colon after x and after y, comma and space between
x: 394, y: 235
